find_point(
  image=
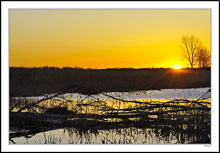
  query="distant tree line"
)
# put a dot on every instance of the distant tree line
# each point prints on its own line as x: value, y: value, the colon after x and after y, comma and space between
x: 92, y: 69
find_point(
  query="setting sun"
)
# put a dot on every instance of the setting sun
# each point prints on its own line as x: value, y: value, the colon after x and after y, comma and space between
x: 81, y: 72
x: 102, y: 38
x: 177, y: 66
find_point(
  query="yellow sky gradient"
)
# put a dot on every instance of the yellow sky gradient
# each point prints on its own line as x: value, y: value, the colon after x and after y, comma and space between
x: 103, y: 38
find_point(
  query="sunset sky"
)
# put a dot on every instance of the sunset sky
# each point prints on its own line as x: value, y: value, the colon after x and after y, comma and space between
x: 103, y: 38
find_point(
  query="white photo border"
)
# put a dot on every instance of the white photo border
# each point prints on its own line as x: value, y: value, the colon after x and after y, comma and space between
x: 213, y: 5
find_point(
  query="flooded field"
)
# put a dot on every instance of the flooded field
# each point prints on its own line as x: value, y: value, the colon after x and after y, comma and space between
x: 169, y: 116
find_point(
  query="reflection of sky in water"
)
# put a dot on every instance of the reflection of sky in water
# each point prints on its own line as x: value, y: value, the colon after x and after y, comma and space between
x: 92, y: 105
x: 102, y: 105
x: 192, y: 93
x: 115, y: 136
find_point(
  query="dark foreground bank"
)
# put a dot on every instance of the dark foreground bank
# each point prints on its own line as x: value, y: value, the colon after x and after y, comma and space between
x: 38, y: 81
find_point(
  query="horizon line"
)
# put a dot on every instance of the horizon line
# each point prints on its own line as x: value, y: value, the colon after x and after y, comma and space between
x: 76, y: 67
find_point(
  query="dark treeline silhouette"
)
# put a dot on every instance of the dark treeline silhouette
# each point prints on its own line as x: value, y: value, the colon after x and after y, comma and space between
x: 126, y: 68
x: 44, y: 80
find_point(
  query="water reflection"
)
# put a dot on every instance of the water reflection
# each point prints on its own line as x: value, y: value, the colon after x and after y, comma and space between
x: 181, y: 128
x: 113, y: 136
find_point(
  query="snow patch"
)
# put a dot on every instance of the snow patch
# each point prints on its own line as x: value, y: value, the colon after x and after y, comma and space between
x: 192, y: 93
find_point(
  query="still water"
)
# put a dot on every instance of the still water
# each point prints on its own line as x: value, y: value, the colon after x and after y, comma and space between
x: 101, y: 104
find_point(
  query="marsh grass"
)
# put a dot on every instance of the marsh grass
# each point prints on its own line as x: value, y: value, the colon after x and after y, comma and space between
x: 186, y: 120
x: 47, y: 80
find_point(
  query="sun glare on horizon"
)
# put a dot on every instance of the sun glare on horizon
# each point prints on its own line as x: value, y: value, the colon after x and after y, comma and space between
x: 176, y: 66
x: 102, y: 38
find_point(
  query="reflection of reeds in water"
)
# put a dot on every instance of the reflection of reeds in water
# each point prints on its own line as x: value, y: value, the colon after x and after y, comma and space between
x: 186, y: 121
x: 114, y: 136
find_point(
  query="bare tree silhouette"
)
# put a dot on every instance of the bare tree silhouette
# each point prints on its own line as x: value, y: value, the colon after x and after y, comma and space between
x: 190, y: 46
x: 203, y: 57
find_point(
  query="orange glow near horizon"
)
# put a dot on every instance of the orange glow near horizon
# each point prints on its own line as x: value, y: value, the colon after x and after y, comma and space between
x: 103, y: 38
